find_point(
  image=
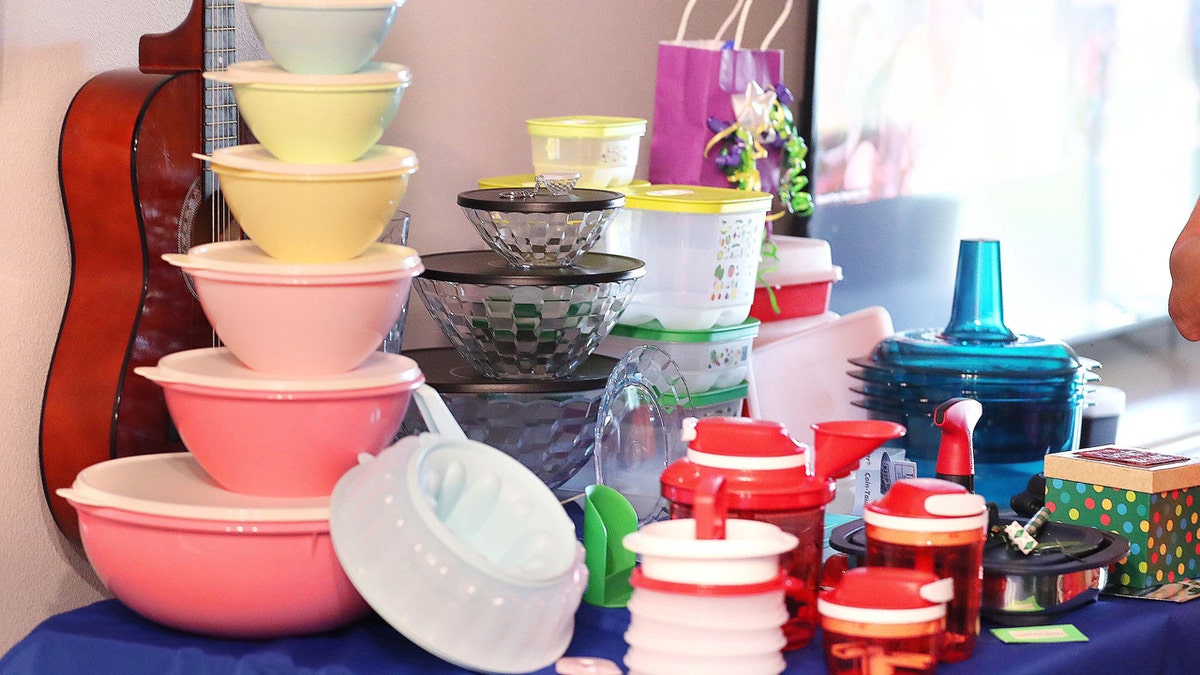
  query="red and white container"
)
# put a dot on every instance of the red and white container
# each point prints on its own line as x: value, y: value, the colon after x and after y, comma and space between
x: 709, y: 594
x: 795, y: 278
x: 884, y: 619
x: 935, y: 526
x: 768, y: 476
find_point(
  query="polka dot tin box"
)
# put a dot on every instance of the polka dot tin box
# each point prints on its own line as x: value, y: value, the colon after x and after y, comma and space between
x: 1150, y: 498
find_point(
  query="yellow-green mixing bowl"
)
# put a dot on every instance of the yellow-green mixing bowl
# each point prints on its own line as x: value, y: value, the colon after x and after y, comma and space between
x: 313, y: 213
x: 316, y: 119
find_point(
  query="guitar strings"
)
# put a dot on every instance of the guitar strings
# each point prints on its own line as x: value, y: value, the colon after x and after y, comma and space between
x: 220, y: 113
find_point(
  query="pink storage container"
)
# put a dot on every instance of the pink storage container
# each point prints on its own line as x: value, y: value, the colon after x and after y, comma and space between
x: 300, y: 319
x: 177, y: 549
x: 264, y: 435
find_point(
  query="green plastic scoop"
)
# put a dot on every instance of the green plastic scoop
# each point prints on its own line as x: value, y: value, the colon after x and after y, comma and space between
x: 607, y: 518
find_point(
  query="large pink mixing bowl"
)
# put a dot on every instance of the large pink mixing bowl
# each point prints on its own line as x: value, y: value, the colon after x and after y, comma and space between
x: 282, y: 437
x: 177, y: 549
x: 296, y: 319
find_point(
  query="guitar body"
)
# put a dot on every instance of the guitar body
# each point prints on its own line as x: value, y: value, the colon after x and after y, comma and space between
x: 132, y: 191
x: 126, y: 169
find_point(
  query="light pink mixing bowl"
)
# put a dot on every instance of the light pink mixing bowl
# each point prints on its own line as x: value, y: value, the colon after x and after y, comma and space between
x: 282, y: 437
x: 177, y: 549
x: 300, y: 319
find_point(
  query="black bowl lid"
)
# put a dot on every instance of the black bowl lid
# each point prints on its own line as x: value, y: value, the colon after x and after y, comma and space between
x: 494, y: 199
x: 1086, y: 548
x: 490, y: 268
x: 449, y: 373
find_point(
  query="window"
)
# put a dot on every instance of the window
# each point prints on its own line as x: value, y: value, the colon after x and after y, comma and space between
x: 1067, y: 129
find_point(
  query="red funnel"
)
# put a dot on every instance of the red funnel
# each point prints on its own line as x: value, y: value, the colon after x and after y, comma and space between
x: 840, y: 444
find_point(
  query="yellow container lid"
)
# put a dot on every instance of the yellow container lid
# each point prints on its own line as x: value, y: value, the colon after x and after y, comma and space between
x: 526, y: 180
x: 587, y: 126
x: 696, y: 199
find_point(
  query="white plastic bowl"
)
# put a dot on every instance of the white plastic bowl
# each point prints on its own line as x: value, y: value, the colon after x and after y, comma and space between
x: 701, y: 246
x: 300, y: 320
x: 461, y: 549
x: 329, y: 37
x: 604, y: 150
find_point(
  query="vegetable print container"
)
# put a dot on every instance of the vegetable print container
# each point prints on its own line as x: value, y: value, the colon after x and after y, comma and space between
x: 604, y: 150
x: 701, y: 246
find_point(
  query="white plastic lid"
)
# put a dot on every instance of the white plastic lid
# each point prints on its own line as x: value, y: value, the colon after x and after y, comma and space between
x: 327, y: 4
x: 174, y: 485
x: 245, y: 257
x: 269, y: 72
x: 255, y: 157
x: 218, y: 368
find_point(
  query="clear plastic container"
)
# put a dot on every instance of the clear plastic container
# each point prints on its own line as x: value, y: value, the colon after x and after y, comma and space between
x: 702, y: 248
x: 604, y: 150
x: 900, y: 631
x: 935, y: 526
x: 717, y: 358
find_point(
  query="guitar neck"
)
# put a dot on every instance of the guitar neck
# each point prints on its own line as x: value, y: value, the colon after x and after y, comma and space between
x: 220, y: 108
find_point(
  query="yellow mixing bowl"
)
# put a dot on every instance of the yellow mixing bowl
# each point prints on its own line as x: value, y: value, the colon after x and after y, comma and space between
x: 316, y: 119
x: 313, y: 213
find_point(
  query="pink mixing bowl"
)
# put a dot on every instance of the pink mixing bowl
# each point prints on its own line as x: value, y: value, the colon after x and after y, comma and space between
x: 300, y: 319
x: 282, y: 437
x: 177, y: 549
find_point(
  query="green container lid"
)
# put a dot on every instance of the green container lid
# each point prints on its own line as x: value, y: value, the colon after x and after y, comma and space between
x: 711, y: 397
x: 587, y: 126
x: 696, y: 199
x: 655, y: 332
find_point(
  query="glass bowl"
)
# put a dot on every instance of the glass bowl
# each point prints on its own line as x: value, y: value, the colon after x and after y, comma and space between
x: 547, y: 426
x: 537, y: 323
x: 538, y: 228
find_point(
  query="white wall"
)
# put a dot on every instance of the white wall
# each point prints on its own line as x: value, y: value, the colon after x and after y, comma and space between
x: 480, y: 68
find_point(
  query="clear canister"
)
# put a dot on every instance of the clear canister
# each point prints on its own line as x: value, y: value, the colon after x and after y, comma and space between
x: 884, y: 619
x: 934, y: 526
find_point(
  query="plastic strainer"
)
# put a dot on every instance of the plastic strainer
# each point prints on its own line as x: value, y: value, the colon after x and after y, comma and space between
x: 461, y: 548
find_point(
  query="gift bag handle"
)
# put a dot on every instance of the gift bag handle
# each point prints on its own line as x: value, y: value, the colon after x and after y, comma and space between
x: 742, y: 7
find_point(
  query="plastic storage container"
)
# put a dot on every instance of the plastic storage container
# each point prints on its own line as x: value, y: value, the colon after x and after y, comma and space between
x: 767, y: 476
x: 717, y: 358
x: 329, y: 37
x: 604, y: 150
x: 795, y: 278
x: 701, y: 246
x: 722, y: 577
x: 867, y: 630
x: 935, y: 526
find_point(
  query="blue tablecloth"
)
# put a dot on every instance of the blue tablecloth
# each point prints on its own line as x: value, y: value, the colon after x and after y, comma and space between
x: 1126, y: 636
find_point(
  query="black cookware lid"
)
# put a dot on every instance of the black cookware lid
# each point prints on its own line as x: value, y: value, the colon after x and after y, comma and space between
x: 489, y: 267
x: 449, y: 373
x: 1080, y: 548
x: 516, y: 200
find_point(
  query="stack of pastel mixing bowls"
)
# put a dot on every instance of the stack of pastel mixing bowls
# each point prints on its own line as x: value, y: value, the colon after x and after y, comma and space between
x: 232, y: 537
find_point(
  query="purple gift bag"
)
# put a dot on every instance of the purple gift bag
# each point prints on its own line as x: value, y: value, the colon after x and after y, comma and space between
x: 697, y: 80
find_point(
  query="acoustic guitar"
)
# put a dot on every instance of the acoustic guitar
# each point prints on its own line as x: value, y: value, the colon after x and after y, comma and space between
x: 132, y: 191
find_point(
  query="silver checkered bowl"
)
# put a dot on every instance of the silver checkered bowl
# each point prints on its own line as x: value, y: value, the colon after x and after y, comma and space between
x: 535, y: 323
x: 539, y: 227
